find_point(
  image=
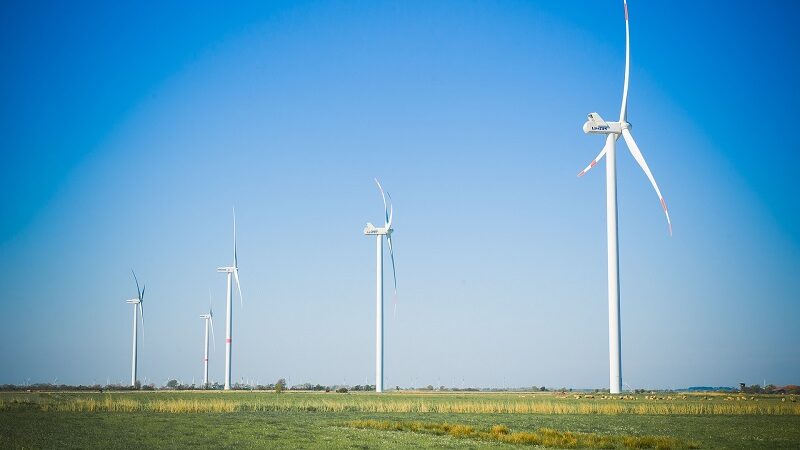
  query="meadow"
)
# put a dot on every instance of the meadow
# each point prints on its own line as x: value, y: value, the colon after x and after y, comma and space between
x: 248, y: 419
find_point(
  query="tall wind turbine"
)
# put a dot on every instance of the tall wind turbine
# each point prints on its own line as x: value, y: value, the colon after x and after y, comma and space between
x: 138, y: 312
x: 613, y: 130
x: 230, y: 271
x: 209, y: 320
x: 386, y: 230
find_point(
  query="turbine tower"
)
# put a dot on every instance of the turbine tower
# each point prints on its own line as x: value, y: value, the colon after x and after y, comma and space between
x: 613, y: 130
x: 209, y: 320
x: 386, y: 230
x: 137, y: 311
x: 230, y: 271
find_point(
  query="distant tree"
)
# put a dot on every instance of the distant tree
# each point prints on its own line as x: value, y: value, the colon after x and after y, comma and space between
x: 280, y: 385
x: 172, y: 384
x: 342, y: 390
x: 137, y: 385
x: 754, y: 389
x: 429, y: 387
x: 542, y: 389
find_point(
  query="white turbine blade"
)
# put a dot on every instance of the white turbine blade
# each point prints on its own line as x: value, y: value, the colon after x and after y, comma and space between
x: 238, y: 286
x: 595, y: 160
x: 391, y: 211
x: 391, y: 256
x: 141, y: 316
x: 213, y: 338
x: 138, y: 291
x: 623, y: 112
x: 394, y: 272
x: 235, y: 260
x: 385, y: 207
x: 637, y: 155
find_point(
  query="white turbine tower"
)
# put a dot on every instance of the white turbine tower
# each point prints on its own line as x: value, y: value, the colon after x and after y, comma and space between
x: 613, y: 130
x: 386, y: 230
x: 209, y: 320
x: 138, y: 312
x: 234, y: 271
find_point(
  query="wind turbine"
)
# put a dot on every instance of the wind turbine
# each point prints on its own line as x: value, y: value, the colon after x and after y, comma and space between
x: 209, y: 320
x: 231, y: 270
x: 137, y: 311
x: 613, y: 130
x: 386, y: 230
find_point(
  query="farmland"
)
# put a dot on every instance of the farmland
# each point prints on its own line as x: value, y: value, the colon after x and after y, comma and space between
x: 395, y: 420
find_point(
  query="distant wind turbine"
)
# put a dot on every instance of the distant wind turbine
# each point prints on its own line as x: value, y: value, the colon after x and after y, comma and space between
x: 386, y: 230
x: 232, y: 270
x: 209, y: 320
x: 613, y: 130
x: 137, y: 311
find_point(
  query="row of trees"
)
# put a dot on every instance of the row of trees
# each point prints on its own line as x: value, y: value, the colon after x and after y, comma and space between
x: 769, y: 389
x: 281, y: 385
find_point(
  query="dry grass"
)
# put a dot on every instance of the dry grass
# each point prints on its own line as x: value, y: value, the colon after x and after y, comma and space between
x: 405, y: 403
x: 546, y: 437
x: 112, y: 404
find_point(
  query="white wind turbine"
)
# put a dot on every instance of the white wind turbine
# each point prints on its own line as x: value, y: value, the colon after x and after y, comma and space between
x: 386, y: 230
x: 232, y: 270
x: 209, y: 320
x: 137, y: 311
x: 612, y: 130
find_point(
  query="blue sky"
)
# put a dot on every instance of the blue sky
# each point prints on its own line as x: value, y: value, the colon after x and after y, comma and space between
x: 131, y: 130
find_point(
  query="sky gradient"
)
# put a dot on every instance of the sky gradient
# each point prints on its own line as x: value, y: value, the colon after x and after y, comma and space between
x: 130, y: 131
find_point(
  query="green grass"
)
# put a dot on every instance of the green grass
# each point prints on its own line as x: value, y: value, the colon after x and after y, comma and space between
x: 325, y: 420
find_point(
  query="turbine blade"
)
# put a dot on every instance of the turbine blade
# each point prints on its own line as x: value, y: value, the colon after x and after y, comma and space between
x: 141, y: 295
x: 235, y: 259
x: 213, y: 338
x: 138, y: 291
x: 238, y: 286
x: 385, y: 208
x: 391, y: 211
x: 141, y: 316
x: 637, y: 155
x: 623, y: 112
x: 391, y: 256
x: 595, y: 160
x: 394, y: 272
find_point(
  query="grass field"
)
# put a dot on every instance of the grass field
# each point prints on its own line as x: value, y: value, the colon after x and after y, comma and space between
x: 169, y: 419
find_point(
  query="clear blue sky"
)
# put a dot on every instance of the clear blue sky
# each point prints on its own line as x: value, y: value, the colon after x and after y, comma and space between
x: 129, y: 131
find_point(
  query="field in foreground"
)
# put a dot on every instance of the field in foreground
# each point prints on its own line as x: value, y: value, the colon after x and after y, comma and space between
x: 395, y: 420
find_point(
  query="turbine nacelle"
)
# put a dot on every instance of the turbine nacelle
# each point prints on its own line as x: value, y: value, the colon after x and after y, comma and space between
x: 133, y: 301
x: 596, y: 125
x: 371, y: 229
x: 226, y: 269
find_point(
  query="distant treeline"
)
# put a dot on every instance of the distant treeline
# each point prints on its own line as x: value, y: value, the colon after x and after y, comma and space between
x: 281, y: 386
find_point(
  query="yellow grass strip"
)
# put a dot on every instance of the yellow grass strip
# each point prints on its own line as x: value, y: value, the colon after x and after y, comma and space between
x: 366, y: 403
x: 546, y: 437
